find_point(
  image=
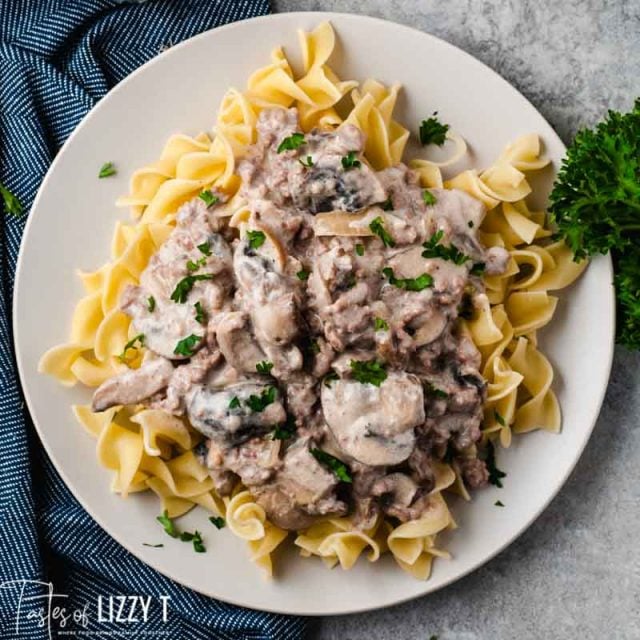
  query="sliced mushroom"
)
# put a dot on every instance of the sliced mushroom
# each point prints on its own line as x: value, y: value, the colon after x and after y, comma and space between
x: 134, y: 386
x: 237, y: 342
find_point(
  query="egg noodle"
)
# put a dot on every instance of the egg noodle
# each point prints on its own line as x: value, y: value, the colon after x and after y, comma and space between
x: 150, y: 449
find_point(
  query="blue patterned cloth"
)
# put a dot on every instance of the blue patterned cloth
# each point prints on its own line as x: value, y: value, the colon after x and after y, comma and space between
x: 57, y: 59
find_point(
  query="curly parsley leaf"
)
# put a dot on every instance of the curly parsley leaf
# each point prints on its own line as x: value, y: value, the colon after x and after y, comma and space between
x: 350, y: 161
x: 377, y: 227
x: 107, y: 169
x: 208, y: 197
x: 183, y: 288
x: 256, y: 239
x: 433, y: 249
x: 368, y: 371
x: 12, y: 205
x: 432, y: 131
x: 261, y: 402
x: 196, y: 538
x: 186, y: 346
x: 205, y: 248
x: 168, y: 524
x: 264, y: 367
x: 217, y: 521
x: 409, y: 284
x: 292, y: 142
x: 339, y: 468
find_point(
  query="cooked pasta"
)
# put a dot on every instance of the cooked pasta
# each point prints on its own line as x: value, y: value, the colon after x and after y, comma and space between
x: 148, y: 448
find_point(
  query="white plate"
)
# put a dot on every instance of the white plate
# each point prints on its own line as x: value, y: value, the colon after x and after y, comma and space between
x: 71, y: 224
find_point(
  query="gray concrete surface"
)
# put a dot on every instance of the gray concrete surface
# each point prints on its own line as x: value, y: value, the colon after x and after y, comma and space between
x: 576, y: 572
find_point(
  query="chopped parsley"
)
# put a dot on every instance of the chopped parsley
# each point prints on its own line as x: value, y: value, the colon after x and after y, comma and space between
x: 435, y: 392
x: 208, y: 197
x: 433, y: 249
x: 428, y: 198
x: 194, y: 266
x: 256, y: 239
x: 377, y: 227
x: 155, y: 546
x: 186, y: 346
x: 477, y: 269
x: 284, y: 431
x: 409, y: 284
x: 292, y: 142
x: 340, y: 470
x: 350, y: 161
x: 387, y: 205
x: 183, y: 288
x: 497, y: 503
x: 303, y: 274
x: 308, y: 163
x: 132, y: 345
x: 264, y: 367
x: 360, y: 249
x: 380, y: 324
x: 205, y: 248
x: 196, y: 538
x: 499, y: 419
x: 234, y: 403
x: 261, y: 402
x: 217, y: 521
x: 470, y: 224
x: 432, y: 131
x: 368, y: 371
x: 495, y: 475
x: 201, y: 314
x: 168, y: 524
x: 11, y: 203
x: 106, y: 170
x: 329, y: 378
x: 151, y: 304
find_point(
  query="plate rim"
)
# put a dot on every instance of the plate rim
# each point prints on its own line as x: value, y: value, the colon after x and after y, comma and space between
x: 330, y: 16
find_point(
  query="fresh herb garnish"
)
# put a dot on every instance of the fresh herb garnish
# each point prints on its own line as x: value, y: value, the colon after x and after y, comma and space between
x: 183, y: 288
x: 201, y: 314
x: 433, y: 249
x: 264, y: 367
x: 303, y: 274
x: 256, y: 239
x: 360, y: 249
x: 151, y: 304
x: 498, y: 503
x: 432, y: 131
x: 409, y: 284
x: 470, y: 224
x: 350, y: 161
x: 155, y: 546
x: 428, y: 198
x: 292, y: 142
x: 595, y: 202
x: 495, y: 475
x: 435, y: 392
x: 132, y: 345
x: 194, y: 266
x: 387, y: 205
x: 168, y: 524
x: 338, y: 467
x: 261, y: 402
x: 329, y: 378
x: 208, y: 197
x: 380, y: 324
x: 217, y: 521
x: 186, y: 346
x: 196, y: 538
x: 284, y: 431
x: 234, y: 403
x: 308, y: 163
x: 368, y: 371
x: 11, y: 203
x: 499, y: 419
x: 106, y: 170
x: 205, y: 248
x: 477, y: 269
x: 377, y: 227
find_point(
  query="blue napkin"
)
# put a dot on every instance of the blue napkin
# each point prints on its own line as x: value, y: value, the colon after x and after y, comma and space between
x: 57, y: 59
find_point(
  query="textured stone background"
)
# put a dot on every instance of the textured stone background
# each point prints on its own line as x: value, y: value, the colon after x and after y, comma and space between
x: 575, y: 574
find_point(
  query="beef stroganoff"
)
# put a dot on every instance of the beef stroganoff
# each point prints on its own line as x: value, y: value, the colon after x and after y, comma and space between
x: 301, y: 333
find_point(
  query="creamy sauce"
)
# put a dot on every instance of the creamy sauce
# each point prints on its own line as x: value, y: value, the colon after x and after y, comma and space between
x: 305, y: 347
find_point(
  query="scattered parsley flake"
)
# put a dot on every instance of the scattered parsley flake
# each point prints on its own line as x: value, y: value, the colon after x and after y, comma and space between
x: 194, y: 266
x: 477, y: 269
x: 264, y: 367
x: 409, y: 284
x: 470, y: 224
x: 107, y: 169
x: 234, y: 403
x: 303, y: 274
x: 329, y: 378
x: 377, y: 227
x: 151, y: 304
x: 256, y: 239
x: 338, y: 467
x: 435, y: 392
x: 168, y: 524
x: 350, y: 161
x: 261, y: 402
x: 292, y: 142
x: 205, y: 248
x: 217, y: 521
x: 308, y: 164
x: 497, y: 503
x: 208, y: 197
x: 186, y: 346
x: 495, y: 475
x: 433, y: 249
x: 380, y: 324
x: 132, y: 345
x: 284, y: 431
x: 387, y: 205
x: 432, y: 131
x: 196, y: 538
x: 155, y: 546
x: 201, y: 314
x: 12, y: 205
x: 368, y: 371
x: 499, y: 419
x: 428, y: 198
x: 360, y: 249
x: 183, y: 288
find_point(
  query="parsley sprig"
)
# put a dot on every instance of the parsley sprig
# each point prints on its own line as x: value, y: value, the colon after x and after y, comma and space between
x: 433, y: 249
x: 185, y: 536
x: 432, y: 131
x: 264, y: 367
x: 369, y: 371
x: 292, y: 142
x: 186, y: 346
x: 261, y: 402
x: 350, y: 161
x: 256, y: 239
